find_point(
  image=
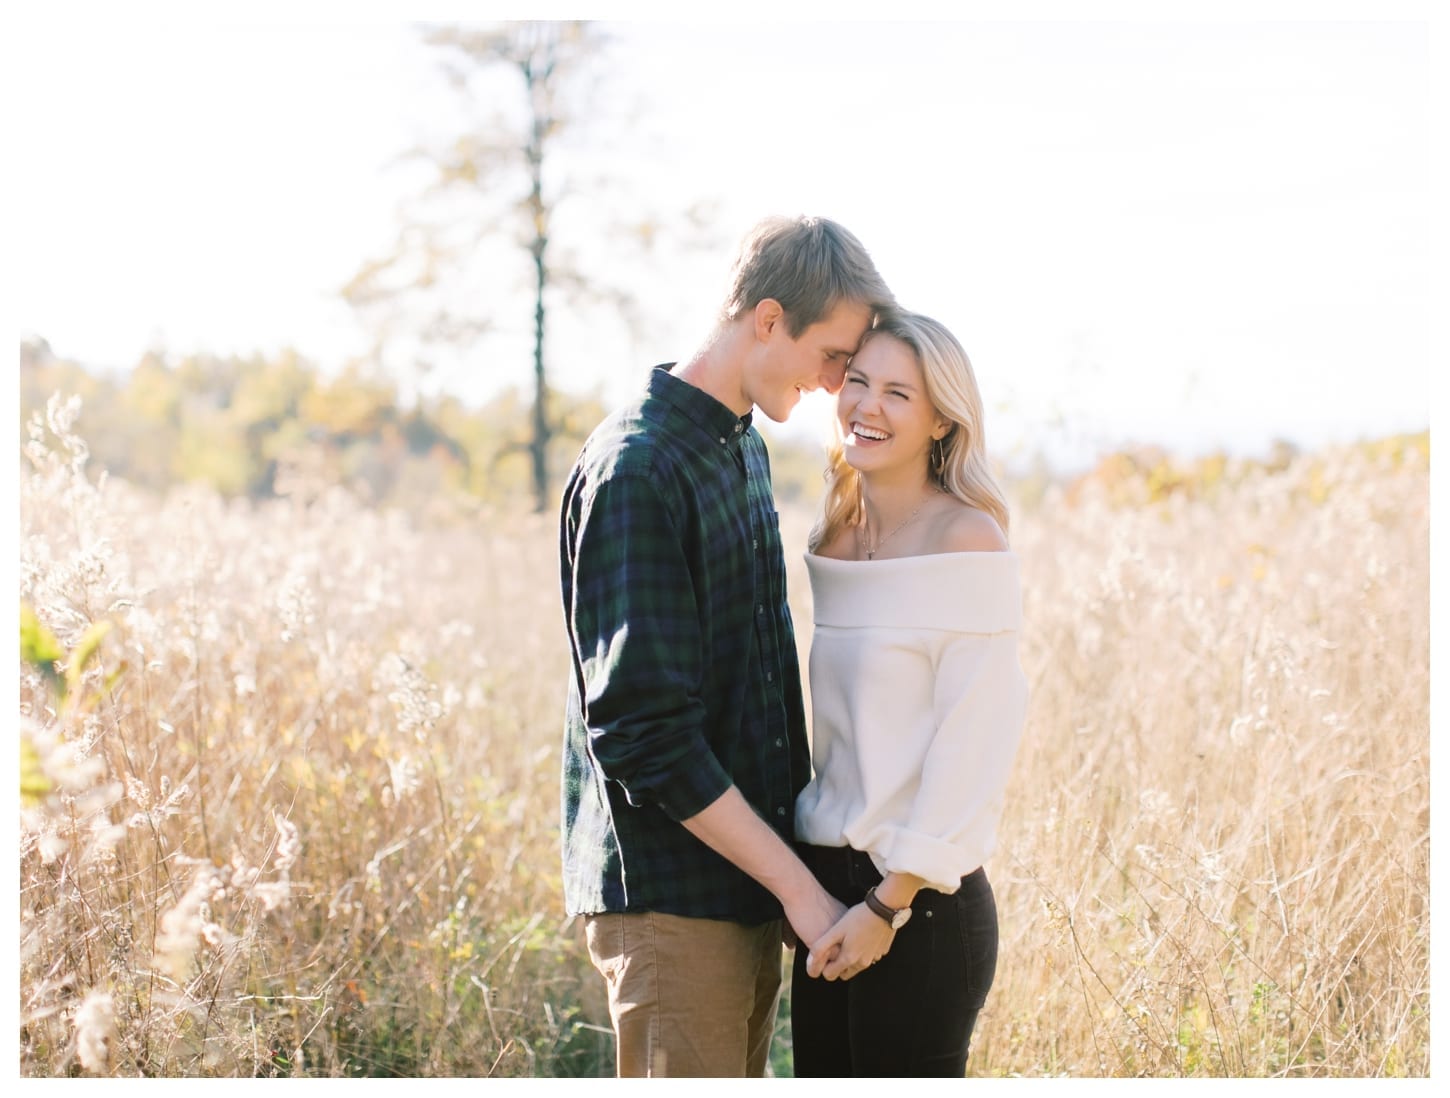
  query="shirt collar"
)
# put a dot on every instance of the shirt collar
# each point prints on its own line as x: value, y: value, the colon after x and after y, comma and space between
x: 699, y: 407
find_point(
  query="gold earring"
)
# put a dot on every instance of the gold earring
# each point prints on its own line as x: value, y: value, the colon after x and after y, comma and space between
x: 938, y: 457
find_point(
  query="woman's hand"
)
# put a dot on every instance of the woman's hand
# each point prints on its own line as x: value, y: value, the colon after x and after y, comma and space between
x: 858, y: 940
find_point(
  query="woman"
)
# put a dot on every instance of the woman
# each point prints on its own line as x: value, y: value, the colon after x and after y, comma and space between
x: 918, y: 703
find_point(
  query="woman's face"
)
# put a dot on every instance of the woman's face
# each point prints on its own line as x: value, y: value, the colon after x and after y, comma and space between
x: 886, y: 419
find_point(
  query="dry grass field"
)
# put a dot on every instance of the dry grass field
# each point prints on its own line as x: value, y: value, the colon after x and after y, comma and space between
x: 290, y: 795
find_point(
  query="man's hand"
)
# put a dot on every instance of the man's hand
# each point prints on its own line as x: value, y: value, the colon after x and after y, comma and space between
x: 813, y: 913
x: 858, y: 940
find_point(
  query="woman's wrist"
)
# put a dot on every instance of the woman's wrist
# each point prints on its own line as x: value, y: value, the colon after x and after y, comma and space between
x: 898, y: 890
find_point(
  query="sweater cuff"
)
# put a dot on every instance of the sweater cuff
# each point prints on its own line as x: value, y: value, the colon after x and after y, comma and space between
x: 942, y: 865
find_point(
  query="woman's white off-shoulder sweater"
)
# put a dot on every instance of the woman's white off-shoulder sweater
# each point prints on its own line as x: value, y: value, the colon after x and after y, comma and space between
x: 918, y: 702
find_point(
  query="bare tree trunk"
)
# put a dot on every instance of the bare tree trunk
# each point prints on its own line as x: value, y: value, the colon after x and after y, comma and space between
x: 537, y: 83
x: 539, y: 446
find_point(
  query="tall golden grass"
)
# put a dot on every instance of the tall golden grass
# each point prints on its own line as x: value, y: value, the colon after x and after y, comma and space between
x: 296, y: 812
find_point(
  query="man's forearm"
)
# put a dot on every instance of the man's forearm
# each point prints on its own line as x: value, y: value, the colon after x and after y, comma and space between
x: 731, y: 828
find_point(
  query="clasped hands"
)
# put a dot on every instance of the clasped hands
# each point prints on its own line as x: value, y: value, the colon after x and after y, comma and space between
x: 853, y: 943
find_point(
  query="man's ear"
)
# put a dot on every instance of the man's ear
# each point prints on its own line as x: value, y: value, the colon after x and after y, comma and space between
x: 768, y: 314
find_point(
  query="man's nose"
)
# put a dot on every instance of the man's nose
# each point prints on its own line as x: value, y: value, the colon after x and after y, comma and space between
x: 832, y: 378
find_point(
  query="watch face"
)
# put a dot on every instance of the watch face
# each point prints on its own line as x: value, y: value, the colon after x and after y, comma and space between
x: 899, y: 920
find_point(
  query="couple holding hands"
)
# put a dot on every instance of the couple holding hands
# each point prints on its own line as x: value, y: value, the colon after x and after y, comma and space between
x: 702, y: 828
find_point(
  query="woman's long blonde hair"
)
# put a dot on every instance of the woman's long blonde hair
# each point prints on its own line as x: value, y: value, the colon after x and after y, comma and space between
x: 951, y: 386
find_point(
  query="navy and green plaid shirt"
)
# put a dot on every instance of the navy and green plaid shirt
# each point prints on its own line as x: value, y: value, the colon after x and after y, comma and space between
x: 685, y: 675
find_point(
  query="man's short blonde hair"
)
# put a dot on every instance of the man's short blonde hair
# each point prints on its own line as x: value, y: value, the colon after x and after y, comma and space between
x: 807, y: 264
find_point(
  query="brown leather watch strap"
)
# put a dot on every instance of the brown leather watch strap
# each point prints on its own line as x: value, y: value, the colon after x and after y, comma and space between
x: 878, y: 908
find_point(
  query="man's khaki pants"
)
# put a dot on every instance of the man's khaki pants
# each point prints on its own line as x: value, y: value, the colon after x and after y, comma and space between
x: 688, y: 997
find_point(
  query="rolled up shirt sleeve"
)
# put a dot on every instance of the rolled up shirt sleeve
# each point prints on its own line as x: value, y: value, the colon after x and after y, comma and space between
x: 636, y: 626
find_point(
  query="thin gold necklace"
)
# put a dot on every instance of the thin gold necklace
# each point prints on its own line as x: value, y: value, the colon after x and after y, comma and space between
x: 871, y: 552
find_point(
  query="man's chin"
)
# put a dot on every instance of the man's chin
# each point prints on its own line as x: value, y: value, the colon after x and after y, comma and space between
x: 782, y: 410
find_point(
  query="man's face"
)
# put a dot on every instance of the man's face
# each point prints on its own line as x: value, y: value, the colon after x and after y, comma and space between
x: 789, y: 367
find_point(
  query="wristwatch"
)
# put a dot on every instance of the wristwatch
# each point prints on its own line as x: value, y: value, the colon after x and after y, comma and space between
x: 895, y: 916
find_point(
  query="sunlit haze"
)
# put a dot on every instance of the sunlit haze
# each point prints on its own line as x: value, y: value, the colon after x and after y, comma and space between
x: 1194, y: 233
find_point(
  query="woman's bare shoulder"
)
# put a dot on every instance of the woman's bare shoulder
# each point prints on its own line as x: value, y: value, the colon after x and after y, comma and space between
x: 967, y: 529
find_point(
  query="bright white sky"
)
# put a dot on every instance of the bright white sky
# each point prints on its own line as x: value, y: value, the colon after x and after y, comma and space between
x: 1197, y: 232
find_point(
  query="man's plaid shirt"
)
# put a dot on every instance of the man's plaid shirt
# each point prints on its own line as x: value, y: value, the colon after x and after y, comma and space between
x: 685, y: 676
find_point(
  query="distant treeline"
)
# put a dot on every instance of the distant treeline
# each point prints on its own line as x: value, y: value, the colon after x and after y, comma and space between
x: 258, y: 426
x: 251, y: 426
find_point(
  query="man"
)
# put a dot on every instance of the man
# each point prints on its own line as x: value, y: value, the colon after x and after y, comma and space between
x: 685, y: 742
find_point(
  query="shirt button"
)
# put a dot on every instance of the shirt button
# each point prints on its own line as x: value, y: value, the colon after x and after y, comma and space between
x: 760, y: 609
x: 779, y: 742
x: 739, y: 427
x: 755, y: 543
x: 770, y: 676
x: 780, y: 812
x: 722, y: 442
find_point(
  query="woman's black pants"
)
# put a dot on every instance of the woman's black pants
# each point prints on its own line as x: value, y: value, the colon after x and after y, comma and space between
x: 911, y: 1014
